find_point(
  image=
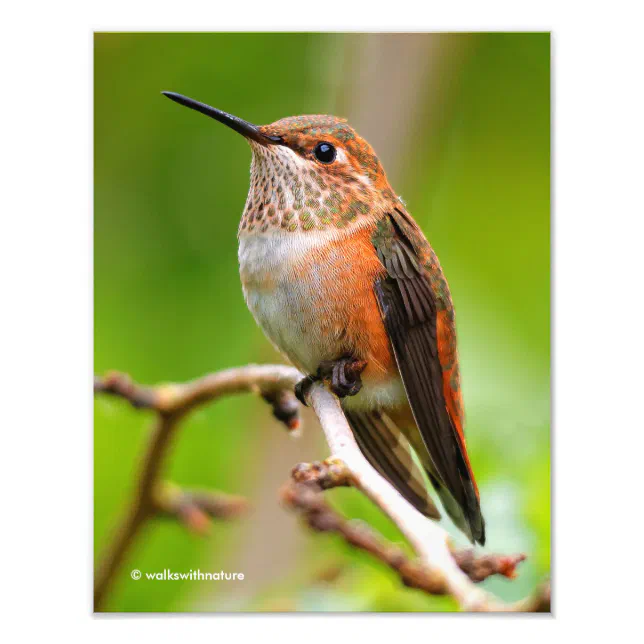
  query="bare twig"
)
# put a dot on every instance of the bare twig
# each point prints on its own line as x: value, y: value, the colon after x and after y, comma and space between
x: 304, y: 493
x: 267, y: 380
x: 172, y: 403
x: 195, y: 508
x: 479, y: 567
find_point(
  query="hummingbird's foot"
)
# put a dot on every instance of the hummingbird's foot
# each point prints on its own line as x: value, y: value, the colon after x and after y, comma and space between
x: 343, y: 375
x: 302, y: 388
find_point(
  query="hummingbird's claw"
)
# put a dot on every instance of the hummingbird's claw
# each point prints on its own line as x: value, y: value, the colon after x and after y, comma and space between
x: 302, y: 388
x: 344, y: 375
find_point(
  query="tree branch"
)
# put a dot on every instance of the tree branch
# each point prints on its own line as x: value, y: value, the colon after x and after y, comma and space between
x: 438, y: 569
x: 441, y: 572
x: 172, y: 399
x: 172, y: 403
x: 304, y: 493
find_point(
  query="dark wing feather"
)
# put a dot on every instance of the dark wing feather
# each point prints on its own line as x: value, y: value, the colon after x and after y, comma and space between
x: 390, y: 454
x: 408, y: 307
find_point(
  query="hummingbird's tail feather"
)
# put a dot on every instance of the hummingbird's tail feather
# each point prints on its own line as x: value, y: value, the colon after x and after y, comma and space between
x: 389, y: 452
x: 470, y: 521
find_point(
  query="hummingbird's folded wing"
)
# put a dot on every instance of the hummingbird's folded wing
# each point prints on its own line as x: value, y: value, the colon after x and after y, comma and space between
x: 389, y: 453
x: 409, y: 307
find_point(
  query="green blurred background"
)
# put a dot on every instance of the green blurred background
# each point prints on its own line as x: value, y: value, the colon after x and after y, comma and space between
x: 461, y: 123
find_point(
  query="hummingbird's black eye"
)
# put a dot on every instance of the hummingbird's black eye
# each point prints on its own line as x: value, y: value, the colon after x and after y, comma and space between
x: 324, y: 153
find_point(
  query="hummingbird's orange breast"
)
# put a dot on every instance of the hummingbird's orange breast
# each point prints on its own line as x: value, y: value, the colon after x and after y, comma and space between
x: 312, y: 294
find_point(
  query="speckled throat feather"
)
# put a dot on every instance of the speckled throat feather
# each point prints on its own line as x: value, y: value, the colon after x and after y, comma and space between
x: 290, y: 191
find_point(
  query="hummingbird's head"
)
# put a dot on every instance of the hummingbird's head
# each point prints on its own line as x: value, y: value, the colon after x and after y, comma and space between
x: 307, y: 173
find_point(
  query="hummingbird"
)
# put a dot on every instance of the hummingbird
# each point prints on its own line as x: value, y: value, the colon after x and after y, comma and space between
x: 345, y: 285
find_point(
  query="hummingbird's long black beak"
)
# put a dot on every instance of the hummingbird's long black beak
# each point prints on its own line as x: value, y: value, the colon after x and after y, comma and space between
x: 244, y: 128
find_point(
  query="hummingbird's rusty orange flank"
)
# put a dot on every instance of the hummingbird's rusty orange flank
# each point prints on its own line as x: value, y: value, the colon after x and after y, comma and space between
x: 343, y: 282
